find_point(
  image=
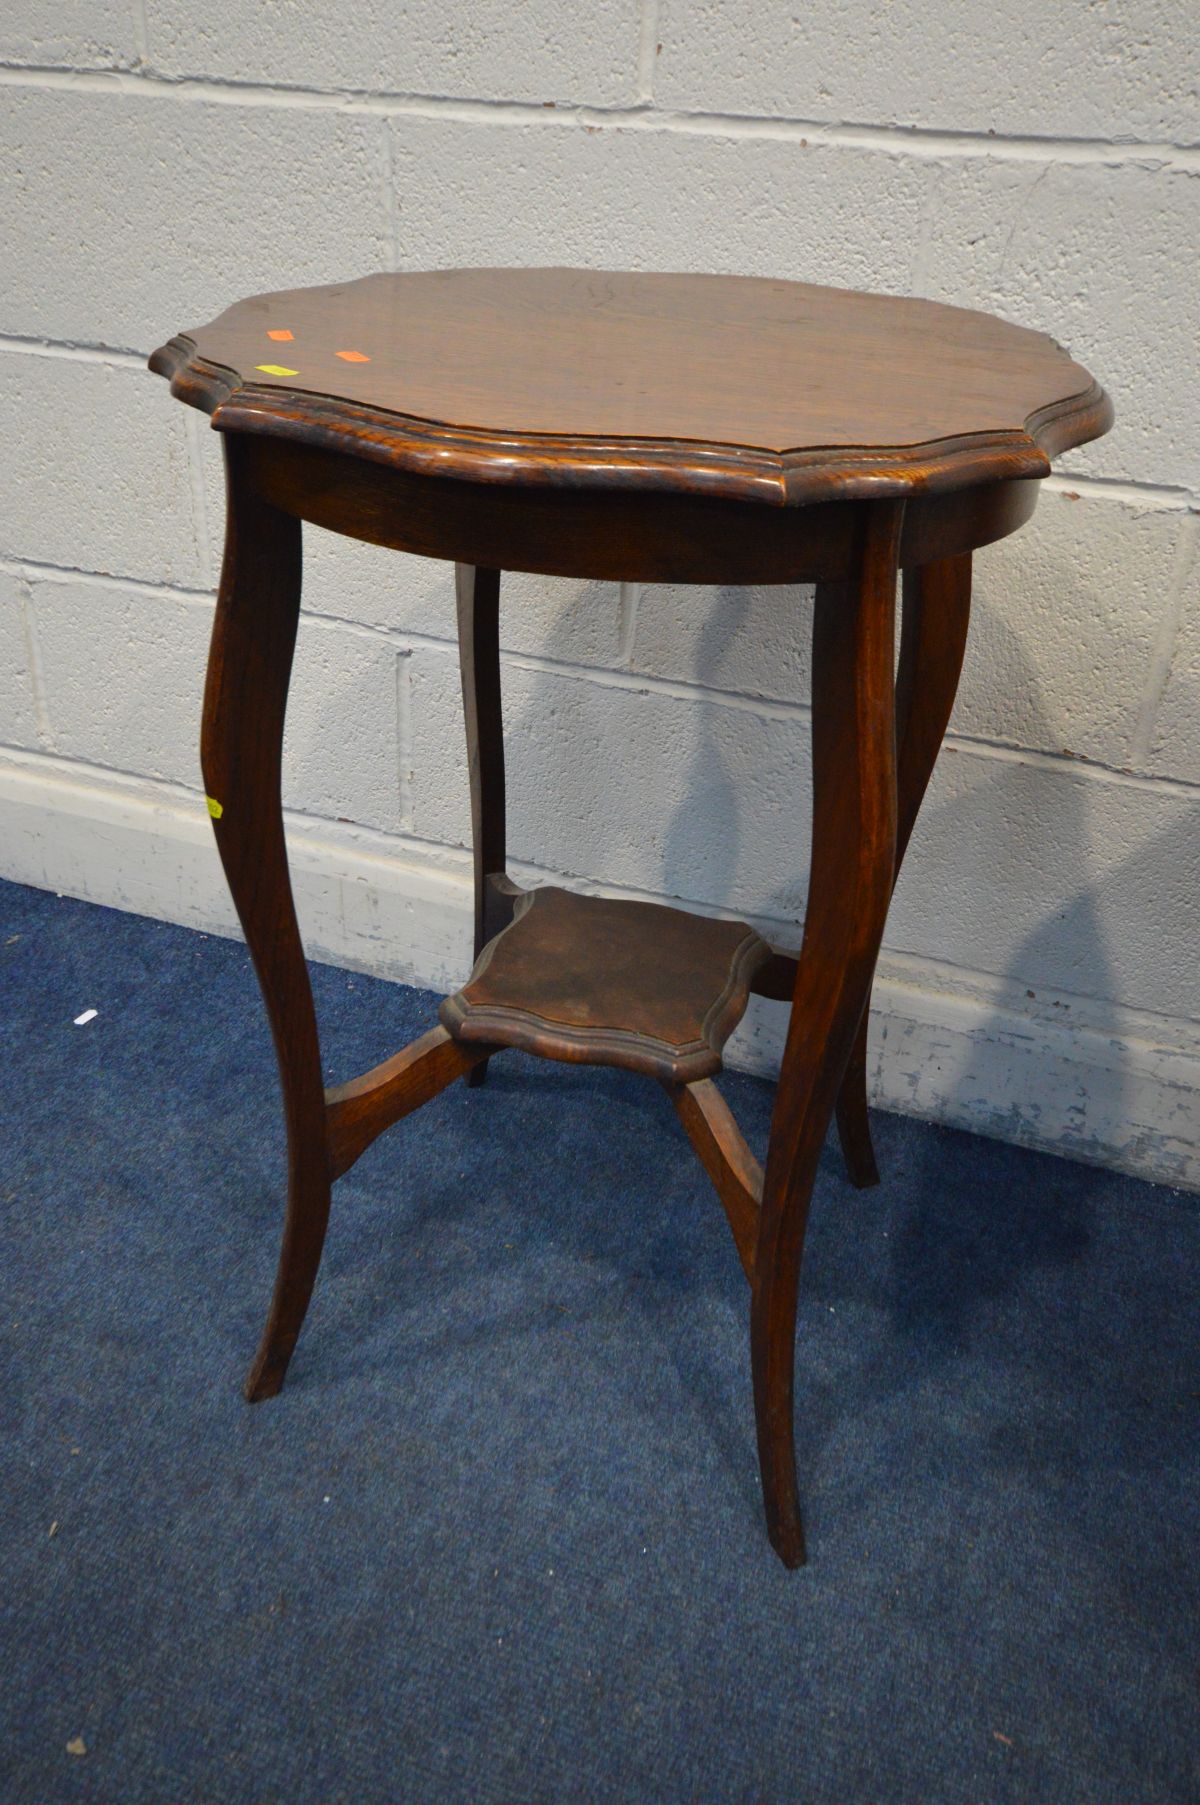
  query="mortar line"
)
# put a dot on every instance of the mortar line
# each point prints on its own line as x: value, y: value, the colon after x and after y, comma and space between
x: 391, y: 204
x: 404, y: 639
x: 647, y: 50
x: 1158, y: 675
x: 920, y: 260
x: 645, y: 683
x: 927, y: 141
x: 916, y: 140
x: 604, y: 677
x: 86, y: 353
x: 1127, y: 1021
x: 85, y: 773
x: 35, y: 570
x: 141, y: 29
x: 627, y: 613
x: 1116, y: 776
x: 404, y: 736
x: 1017, y: 218
x: 1134, y: 490
x: 944, y: 975
x: 37, y: 674
x: 200, y: 520
x: 1129, y: 492
x: 601, y: 676
x: 763, y: 707
x: 135, y: 786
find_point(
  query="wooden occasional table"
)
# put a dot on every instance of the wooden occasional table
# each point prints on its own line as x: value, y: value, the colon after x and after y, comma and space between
x: 643, y: 428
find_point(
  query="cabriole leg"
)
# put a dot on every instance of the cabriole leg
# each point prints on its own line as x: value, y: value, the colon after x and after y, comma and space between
x: 245, y: 698
x: 478, y: 596
x: 850, y: 884
x: 933, y: 640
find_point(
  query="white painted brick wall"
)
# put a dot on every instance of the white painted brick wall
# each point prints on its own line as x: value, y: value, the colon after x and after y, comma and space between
x: 1083, y: 886
x: 540, y: 50
x: 1098, y: 254
x: 90, y: 636
x: 1173, y: 740
x: 1064, y: 621
x: 127, y: 208
x: 754, y: 642
x: 651, y: 788
x: 92, y: 476
x: 72, y: 34
x: 616, y: 193
x: 1117, y: 69
x: 18, y: 709
x: 158, y: 160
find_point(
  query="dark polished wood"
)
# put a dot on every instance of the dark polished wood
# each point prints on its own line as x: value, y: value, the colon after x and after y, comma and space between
x: 638, y: 428
x: 721, y: 385
x: 358, y: 1112
x: 245, y: 697
x: 477, y: 595
x: 596, y: 981
x: 933, y: 642
x: 620, y: 535
x: 736, y: 1174
x: 850, y: 885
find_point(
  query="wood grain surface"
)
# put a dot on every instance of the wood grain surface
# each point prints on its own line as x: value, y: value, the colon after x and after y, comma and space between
x: 599, y: 981
x: 694, y: 382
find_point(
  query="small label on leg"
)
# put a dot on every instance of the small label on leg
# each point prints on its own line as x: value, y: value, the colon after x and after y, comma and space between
x: 215, y: 809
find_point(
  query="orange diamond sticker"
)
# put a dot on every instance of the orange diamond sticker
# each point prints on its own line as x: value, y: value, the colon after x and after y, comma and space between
x: 280, y: 332
x: 353, y: 357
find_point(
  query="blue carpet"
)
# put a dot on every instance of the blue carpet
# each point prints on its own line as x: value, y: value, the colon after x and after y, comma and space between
x: 500, y: 1536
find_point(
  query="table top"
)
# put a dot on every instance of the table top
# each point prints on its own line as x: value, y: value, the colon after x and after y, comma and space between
x: 720, y: 384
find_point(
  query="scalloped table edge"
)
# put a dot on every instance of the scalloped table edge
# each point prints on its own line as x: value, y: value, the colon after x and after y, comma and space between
x: 735, y: 472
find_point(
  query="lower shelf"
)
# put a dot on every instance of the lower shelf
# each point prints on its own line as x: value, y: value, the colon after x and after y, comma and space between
x: 602, y: 982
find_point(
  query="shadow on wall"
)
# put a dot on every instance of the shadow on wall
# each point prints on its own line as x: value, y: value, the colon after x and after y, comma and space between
x: 1102, y: 888
x: 700, y: 846
x: 999, y: 839
x: 711, y: 804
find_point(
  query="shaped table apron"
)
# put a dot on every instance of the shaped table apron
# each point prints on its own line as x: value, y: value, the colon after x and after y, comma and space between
x: 613, y: 534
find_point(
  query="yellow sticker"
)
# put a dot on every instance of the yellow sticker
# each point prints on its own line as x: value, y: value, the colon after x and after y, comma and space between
x: 215, y: 809
x: 276, y: 370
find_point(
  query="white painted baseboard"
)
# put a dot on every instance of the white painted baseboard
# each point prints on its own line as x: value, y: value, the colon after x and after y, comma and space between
x: 1090, y: 1079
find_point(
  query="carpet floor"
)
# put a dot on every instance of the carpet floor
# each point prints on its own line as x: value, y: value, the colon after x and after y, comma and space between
x: 499, y: 1538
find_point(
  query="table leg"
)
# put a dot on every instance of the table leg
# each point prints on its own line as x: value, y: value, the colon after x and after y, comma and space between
x: 478, y: 596
x: 933, y: 640
x: 245, y: 698
x: 850, y: 885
